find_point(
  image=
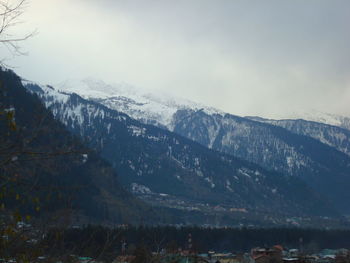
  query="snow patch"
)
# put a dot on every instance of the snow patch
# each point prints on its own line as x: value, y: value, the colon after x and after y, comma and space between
x: 140, y: 189
x: 152, y: 108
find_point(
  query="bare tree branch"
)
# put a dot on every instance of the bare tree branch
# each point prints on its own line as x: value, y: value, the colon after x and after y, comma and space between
x: 10, y: 13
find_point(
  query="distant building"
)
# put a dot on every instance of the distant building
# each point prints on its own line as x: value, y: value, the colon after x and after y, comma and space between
x: 291, y: 260
x: 267, y: 255
x: 293, y: 253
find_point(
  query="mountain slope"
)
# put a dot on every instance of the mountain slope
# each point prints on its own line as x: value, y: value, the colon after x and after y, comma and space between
x: 333, y: 136
x: 150, y: 108
x: 50, y: 164
x: 322, y: 167
x: 170, y: 170
x: 317, y: 116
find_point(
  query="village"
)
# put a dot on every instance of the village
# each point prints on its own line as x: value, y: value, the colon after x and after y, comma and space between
x: 182, y: 252
x: 275, y: 254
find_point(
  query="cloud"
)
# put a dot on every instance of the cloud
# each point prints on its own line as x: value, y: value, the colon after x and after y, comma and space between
x: 245, y: 57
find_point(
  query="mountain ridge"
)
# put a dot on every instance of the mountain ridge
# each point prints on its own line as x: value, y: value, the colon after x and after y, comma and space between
x: 331, y: 135
x: 45, y: 157
x: 267, y: 146
x: 273, y: 147
x: 110, y: 94
x: 194, y: 172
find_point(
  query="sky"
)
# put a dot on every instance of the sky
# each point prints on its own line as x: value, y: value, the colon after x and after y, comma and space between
x: 266, y: 58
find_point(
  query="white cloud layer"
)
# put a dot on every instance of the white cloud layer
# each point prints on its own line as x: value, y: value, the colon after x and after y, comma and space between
x: 245, y: 57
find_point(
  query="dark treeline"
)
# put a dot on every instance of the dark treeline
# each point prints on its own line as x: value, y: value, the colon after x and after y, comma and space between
x: 97, y: 240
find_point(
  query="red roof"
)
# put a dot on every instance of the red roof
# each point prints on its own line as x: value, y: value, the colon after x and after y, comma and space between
x: 279, y: 247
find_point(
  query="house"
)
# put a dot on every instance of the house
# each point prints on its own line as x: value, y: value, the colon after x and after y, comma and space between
x: 342, y: 256
x: 290, y: 260
x: 293, y: 253
x: 267, y: 255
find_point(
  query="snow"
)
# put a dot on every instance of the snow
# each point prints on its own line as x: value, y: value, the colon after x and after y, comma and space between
x: 140, y: 189
x: 109, y: 125
x: 228, y: 186
x: 199, y: 173
x: 56, y: 95
x: 137, y: 131
x: 213, y: 132
x: 57, y: 100
x: 289, y: 161
x: 331, y: 135
x: 12, y: 109
x: 85, y: 157
x: 196, y: 161
x: 157, y: 108
x: 210, y: 181
x: 244, y: 172
x: 318, y: 116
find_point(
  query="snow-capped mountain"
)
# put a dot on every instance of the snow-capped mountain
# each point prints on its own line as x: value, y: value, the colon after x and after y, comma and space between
x: 333, y: 136
x: 42, y: 148
x: 159, y: 108
x: 169, y: 170
x: 271, y: 147
x: 151, y: 108
x: 323, y: 167
x: 317, y: 116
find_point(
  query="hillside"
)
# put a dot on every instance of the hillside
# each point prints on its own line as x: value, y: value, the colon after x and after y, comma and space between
x: 323, y: 167
x: 171, y: 171
x: 41, y: 160
x: 334, y: 136
x: 317, y: 154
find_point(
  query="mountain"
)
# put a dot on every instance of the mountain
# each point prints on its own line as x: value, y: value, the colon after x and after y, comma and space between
x: 158, y: 108
x: 43, y: 162
x: 168, y: 170
x: 150, y: 108
x: 316, y: 116
x: 324, y: 165
x: 333, y: 136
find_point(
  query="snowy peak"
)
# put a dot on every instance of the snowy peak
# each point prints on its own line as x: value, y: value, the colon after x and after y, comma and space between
x: 159, y: 108
x: 332, y: 135
x: 156, y: 108
x: 168, y: 170
x: 50, y: 92
x: 316, y: 116
x: 93, y: 88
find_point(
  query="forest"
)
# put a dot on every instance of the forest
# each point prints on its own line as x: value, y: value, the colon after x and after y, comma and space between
x: 93, y: 240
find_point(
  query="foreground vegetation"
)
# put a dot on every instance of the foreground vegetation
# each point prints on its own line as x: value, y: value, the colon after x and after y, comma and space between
x: 106, y: 243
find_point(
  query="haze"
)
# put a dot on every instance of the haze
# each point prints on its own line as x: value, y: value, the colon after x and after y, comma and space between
x: 264, y: 58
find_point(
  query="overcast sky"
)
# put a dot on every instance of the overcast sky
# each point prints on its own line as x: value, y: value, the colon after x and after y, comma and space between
x: 245, y: 57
